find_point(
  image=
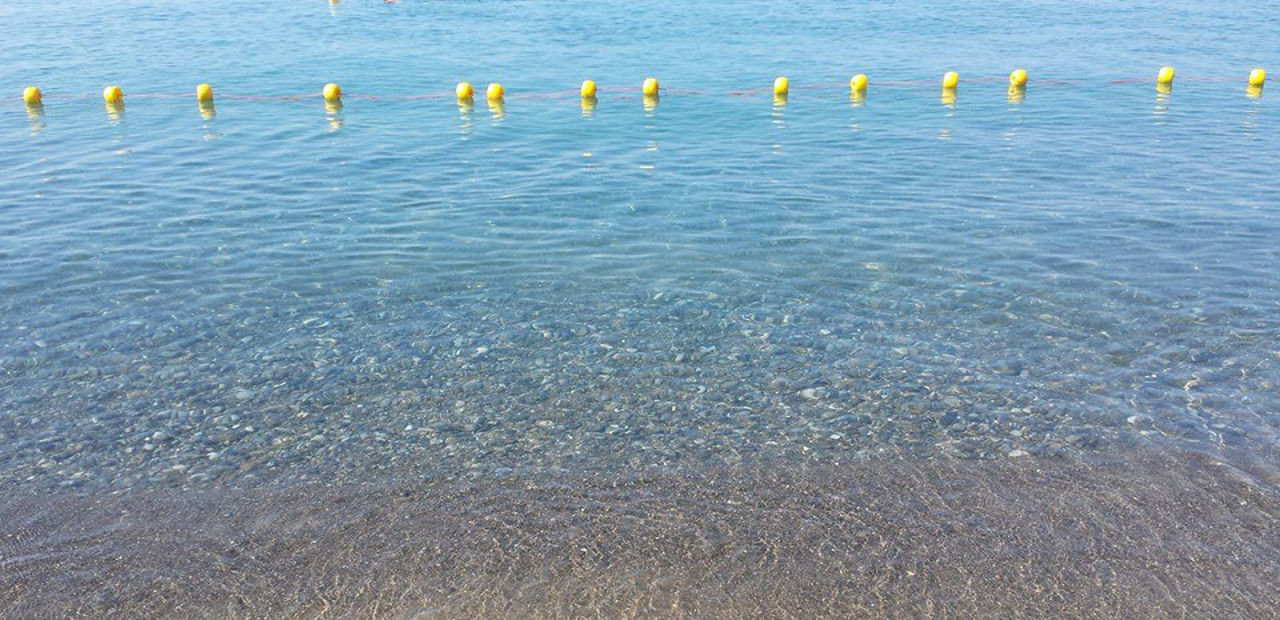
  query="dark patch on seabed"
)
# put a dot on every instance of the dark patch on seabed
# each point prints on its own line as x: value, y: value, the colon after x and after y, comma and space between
x: 1145, y: 535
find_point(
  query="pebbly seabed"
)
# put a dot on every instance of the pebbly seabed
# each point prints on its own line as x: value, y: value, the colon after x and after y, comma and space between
x: 1149, y: 534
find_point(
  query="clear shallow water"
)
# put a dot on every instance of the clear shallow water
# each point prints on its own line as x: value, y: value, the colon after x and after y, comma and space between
x: 285, y: 291
x: 399, y: 290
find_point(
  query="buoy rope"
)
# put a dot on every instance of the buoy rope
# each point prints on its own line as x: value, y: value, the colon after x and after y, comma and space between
x: 623, y: 92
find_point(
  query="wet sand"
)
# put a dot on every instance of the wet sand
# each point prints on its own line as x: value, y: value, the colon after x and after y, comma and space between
x: 1147, y: 535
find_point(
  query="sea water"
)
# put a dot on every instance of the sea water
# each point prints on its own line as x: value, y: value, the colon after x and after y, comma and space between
x: 273, y: 294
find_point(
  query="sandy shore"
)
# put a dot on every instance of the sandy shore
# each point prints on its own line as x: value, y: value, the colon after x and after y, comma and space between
x: 1146, y: 535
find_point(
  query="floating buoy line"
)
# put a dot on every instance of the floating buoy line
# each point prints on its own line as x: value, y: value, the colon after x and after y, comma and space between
x: 495, y: 93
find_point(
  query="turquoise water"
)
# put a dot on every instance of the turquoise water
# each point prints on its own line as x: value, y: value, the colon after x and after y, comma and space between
x: 404, y: 290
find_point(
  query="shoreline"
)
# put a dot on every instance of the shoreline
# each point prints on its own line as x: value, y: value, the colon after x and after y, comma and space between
x: 1139, y: 534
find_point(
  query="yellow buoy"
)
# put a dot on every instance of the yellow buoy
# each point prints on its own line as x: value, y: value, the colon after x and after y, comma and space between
x: 588, y: 89
x: 1257, y: 78
x: 115, y: 103
x: 332, y: 92
x: 204, y: 92
x: 1018, y: 78
x: 950, y: 79
x: 781, y: 86
x: 858, y: 84
x: 495, y: 92
x: 1165, y: 76
x: 32, y: 95
x: 464, y: 91
x: 650, y: 87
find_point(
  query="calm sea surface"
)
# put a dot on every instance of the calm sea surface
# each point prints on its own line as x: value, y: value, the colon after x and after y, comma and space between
x: 277, y: 295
